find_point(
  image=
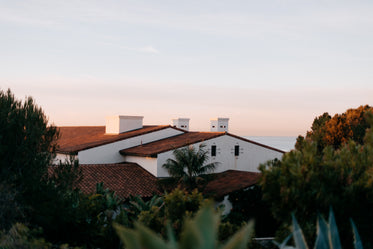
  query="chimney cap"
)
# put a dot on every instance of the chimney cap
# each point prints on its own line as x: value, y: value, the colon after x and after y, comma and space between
x: 219, y: 119
x: 121, y: 123
x: 181, y: 123
x: 219, y: 124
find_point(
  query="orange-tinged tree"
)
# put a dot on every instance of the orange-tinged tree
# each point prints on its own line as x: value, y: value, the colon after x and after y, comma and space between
x: 338, y: 130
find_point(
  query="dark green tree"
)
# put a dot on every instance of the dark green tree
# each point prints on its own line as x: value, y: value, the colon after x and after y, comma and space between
x: 10, y: 209
x: 32, y: 191
x: 27, y: 147
x: 189, y: 164
x: 307, y: 182
x: 248, y: 204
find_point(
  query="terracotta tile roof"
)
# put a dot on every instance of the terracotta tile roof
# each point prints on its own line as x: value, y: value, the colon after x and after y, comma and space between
x: 77, y: 138
x: 124, y: 178
x: 229, y: 181
x: 171, y: 143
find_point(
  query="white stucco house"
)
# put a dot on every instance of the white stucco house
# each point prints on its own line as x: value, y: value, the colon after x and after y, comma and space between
x: 126, y: 139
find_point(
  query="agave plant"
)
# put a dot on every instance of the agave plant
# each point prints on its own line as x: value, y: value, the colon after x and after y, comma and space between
x: 327, y: 235
x: 198, y: 233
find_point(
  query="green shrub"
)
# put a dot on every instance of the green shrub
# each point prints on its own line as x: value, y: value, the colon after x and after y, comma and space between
x: 200, y: 232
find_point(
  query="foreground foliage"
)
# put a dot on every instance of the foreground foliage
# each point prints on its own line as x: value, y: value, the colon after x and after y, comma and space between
x: 327, y: 235
x: 200, y: 232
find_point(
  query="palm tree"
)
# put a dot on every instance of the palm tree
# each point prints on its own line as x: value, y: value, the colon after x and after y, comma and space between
x: 137, y: 204
x: 189, y: 164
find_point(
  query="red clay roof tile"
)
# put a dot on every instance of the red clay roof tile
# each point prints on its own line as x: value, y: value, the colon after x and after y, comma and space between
x: 229, y: 181
x: 124, y: 178
x: 77, y: 138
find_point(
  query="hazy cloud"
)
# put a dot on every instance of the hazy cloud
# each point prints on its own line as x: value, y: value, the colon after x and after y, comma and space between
x: 146, y: 49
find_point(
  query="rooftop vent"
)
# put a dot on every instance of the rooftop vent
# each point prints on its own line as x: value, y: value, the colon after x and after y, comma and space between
x: 181, y: 123
x: 119, y: 124
x: 219, y: 124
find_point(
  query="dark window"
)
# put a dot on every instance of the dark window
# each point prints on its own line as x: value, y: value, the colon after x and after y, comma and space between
x: 213, y: 150
x: 236, y: 150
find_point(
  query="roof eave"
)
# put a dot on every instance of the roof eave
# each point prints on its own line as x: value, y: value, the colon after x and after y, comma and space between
x: 138, y: 154
x: 256, y: 143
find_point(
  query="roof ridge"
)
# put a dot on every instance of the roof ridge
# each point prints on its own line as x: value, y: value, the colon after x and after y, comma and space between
x: 96, y: 137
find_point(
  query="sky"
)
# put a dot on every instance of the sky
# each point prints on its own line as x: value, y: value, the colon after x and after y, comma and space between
x: 270, y: 66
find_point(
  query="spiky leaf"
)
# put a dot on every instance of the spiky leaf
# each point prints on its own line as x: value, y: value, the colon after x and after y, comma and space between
x: 300, y: 242
x: 201, y: 231
x: 140, y: 238
x: 333, y: 232
x: 240, y: 239
x: 322, y: 240
x: 127, y: 236
x: 283, y: 243
x: 357, y: 241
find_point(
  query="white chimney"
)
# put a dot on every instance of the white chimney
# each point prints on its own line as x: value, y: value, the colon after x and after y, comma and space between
x: 181, y: 123
x: 119, y: 124
x: 219, y: 124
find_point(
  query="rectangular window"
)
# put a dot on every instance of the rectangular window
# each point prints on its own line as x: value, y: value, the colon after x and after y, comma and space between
x: 213, y: 150
x: 236, y: 150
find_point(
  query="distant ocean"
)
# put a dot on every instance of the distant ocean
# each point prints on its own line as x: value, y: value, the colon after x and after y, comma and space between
x: 281, y: 143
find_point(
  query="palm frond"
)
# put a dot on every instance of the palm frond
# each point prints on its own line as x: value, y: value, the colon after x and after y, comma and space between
x: 189, y: 163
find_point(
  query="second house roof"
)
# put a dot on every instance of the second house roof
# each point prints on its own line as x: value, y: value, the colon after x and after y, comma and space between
x: 179, y: 141
x: 171, y: 143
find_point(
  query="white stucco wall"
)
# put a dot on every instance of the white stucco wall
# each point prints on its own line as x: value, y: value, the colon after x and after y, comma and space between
x: 227, y: 205
x: 249, y: 158
x: 109, y: 153
x: 62, y: 158
x: 148, y: 163
x: 118, y: 124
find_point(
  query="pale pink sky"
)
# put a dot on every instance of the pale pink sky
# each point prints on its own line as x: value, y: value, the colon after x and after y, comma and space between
x: 270, y: 66
x: 252, y: 111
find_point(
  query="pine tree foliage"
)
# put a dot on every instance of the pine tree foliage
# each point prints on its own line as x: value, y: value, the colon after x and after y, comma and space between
x: 27, y: 142
x: 338, y: 130
x: 307, y: 181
